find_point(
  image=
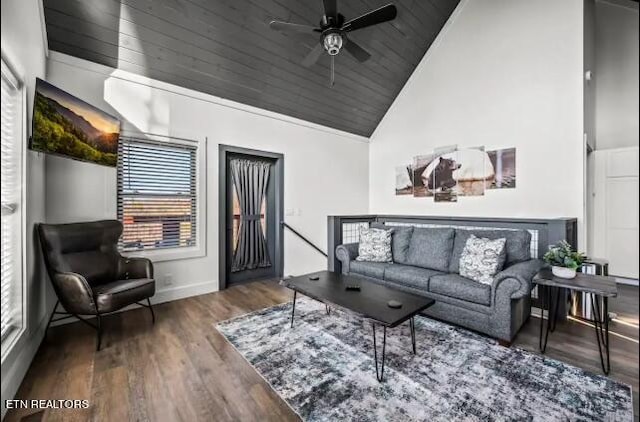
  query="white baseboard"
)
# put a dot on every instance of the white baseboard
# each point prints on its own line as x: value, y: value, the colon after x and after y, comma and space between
x: 12, y: 379
x: 627, y: 281
x: 166, y: 295
x: 183, y: 292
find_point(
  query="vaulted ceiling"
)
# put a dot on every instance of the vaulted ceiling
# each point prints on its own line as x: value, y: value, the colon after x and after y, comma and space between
x: 226, y: 48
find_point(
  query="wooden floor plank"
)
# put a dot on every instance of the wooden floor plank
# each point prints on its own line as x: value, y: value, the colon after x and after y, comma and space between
x: 183, y: 369
x: 110, y: 395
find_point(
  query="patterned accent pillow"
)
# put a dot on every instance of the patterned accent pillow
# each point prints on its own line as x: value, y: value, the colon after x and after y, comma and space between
x: 375, y: 245
x: 482, y: 258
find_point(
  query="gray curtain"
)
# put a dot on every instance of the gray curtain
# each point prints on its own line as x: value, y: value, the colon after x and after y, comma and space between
x: 250, y: 179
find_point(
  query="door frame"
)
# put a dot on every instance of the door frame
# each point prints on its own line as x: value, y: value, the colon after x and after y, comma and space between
x: 278, y: 177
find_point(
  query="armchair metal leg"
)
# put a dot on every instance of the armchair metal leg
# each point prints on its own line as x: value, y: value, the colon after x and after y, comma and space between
x: 97, y: 326
x: 46, y: 330
x: 153, y: 315
x: 148, y: 305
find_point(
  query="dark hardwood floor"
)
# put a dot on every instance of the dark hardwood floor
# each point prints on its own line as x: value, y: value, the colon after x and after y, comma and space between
x: 182, y: 369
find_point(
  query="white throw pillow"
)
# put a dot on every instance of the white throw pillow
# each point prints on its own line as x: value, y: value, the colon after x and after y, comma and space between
x: 482, y: 258
x: 375, y: 245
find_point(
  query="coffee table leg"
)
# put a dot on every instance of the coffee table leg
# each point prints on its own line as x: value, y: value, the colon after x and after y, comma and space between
x: 293, y: 308
x: 379, y: 373
x: 412, y: 326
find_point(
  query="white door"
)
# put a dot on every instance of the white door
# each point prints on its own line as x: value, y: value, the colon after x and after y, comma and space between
x: 615, y: 210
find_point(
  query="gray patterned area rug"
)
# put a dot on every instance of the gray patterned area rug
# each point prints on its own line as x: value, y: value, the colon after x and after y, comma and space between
x: 323, y: 368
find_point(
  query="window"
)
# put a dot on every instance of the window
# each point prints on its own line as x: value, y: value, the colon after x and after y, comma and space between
x: 12, y: 224
x: 158, y: 201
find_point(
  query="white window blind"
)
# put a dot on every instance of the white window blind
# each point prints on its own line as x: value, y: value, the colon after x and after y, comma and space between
x: 157, y: 194
x: 12, y: 203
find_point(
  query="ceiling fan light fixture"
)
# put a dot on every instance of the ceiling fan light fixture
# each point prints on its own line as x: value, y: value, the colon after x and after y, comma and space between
x: 332, y: 43
x: 333, y: 29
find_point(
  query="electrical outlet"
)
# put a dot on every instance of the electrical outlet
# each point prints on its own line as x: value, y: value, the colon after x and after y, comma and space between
x: 168, y: 279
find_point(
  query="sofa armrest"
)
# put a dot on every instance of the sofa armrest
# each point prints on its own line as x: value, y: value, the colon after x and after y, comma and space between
x: 74, y: 293
x: 135, y: 268
x: 346, y: 253
x: 516, y: 280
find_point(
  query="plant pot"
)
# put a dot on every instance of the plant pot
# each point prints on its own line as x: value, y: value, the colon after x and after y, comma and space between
x: 563, y: 272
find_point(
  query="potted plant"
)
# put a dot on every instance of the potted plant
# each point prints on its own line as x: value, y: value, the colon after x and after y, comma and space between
x: 564, y: 260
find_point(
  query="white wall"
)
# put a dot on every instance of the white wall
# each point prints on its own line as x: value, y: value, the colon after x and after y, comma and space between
x: 589, y: 67
x: 24, y: 48
x: 616, y: 74
x: 326, y: 171
x: 501, y: 73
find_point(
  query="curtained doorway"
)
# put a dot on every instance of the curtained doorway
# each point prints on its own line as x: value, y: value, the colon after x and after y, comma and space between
x: 251, y: 211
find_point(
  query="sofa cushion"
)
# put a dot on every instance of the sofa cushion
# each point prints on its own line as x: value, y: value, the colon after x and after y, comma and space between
x: 431, y: 248
x: 458, y: 287
x: 482, y: 258
x: 375, y: 245
x: 369, y: 269
x: 400, y: 239
x: 409, y: 276
x: 517, y: 247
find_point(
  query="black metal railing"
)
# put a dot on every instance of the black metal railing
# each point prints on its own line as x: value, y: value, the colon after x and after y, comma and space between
x: 307, y: 241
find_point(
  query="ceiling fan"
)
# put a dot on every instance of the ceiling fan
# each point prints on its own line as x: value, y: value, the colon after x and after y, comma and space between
x: 332, y: 32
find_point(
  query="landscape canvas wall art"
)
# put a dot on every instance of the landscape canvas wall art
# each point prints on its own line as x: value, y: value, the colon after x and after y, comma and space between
x: 404, y: 182
x: 67, y: 126
x: 439, y: 176
x: 450, y: 172
x: 473, y: 170
x: 420, y: 164
x: 504, y: 165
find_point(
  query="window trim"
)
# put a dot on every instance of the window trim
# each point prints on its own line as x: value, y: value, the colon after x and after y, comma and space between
x: 199, y: 250
x: 13, y: 338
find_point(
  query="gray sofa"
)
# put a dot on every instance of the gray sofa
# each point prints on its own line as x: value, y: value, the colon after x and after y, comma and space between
x: 426, y: 262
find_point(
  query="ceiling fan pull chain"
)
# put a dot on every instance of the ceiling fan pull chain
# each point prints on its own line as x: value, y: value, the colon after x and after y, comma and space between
x: 332, y: 70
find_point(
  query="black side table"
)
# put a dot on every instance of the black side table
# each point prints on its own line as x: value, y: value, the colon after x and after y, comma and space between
x: 597, y: 286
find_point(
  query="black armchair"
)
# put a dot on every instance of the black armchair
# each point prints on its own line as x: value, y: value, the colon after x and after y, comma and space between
x: 89, y: 275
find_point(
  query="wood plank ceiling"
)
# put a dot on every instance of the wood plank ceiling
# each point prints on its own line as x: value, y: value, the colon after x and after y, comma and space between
x: 225, y: 48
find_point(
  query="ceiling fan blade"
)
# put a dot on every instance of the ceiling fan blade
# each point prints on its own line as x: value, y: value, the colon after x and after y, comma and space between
x: 293, y: 27
x: 383, y: 14
x: 313, y: 56
x: 330, y: 8
x: 356, y: 51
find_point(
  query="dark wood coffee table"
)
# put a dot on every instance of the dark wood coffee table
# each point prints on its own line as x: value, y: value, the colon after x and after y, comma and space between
x: 370, y: 302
